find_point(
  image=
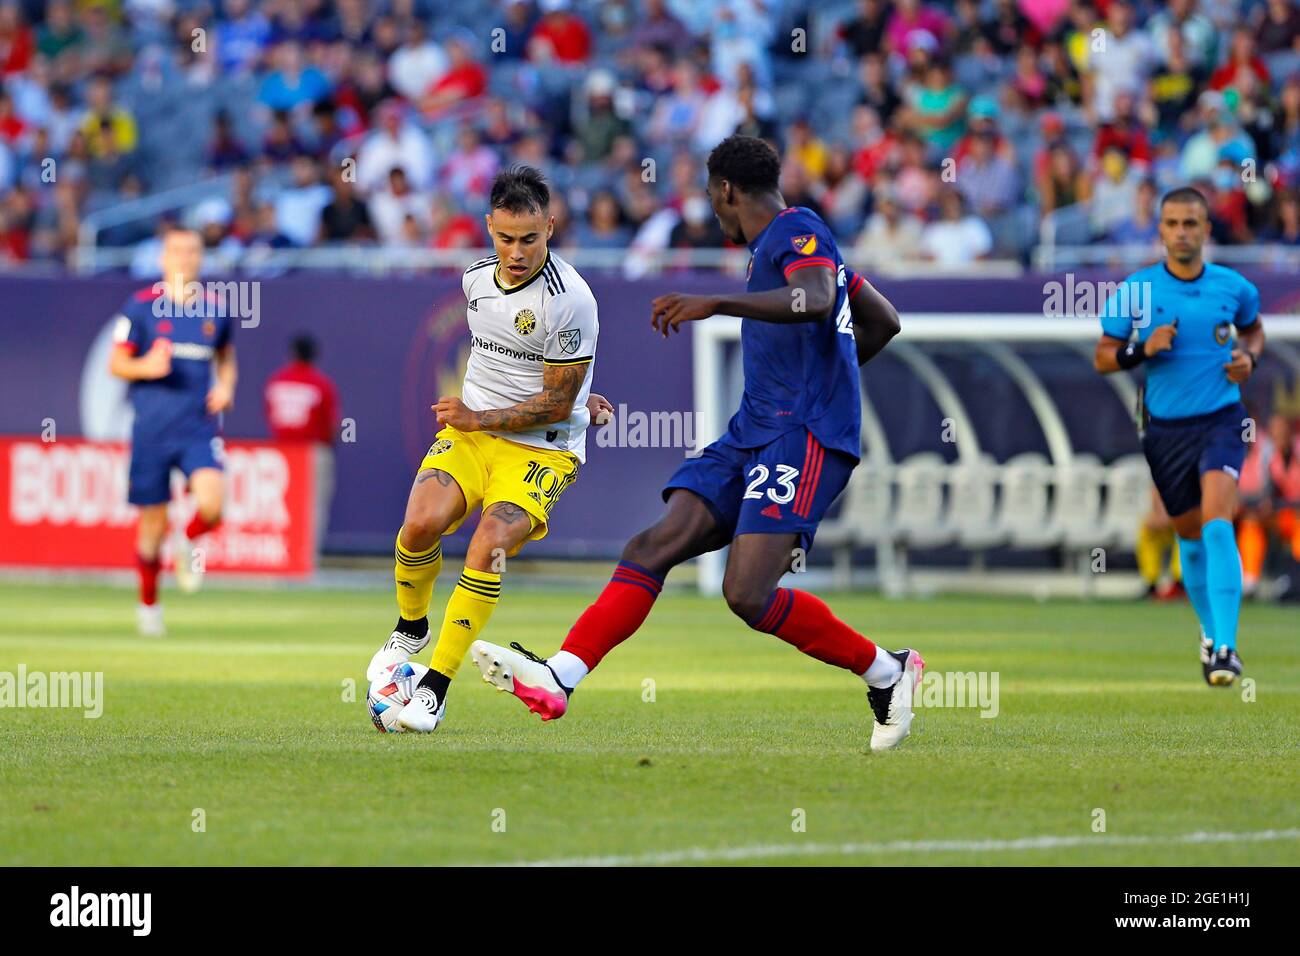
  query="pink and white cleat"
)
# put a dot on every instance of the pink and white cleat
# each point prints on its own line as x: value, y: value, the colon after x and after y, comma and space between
x: 520, y: 672
x: 892, y: 705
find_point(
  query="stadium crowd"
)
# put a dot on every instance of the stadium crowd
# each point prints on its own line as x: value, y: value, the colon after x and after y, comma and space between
x: 921, y: 131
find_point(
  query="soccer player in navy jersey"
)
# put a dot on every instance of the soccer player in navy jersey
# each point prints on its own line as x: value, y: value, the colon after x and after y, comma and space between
x: 169, y: 339
x: 764, y: 486
x: 1195, y: 326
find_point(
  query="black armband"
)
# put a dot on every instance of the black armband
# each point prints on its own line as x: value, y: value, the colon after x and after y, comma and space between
x: 1130, y: 355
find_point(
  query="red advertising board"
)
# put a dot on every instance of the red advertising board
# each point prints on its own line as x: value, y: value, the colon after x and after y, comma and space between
x: 63, y: 505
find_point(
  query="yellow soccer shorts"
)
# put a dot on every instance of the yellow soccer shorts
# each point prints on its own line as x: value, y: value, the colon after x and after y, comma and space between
x: 490, y: 469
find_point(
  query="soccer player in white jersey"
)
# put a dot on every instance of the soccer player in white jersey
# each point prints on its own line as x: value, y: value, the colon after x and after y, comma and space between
x: 510, y: 445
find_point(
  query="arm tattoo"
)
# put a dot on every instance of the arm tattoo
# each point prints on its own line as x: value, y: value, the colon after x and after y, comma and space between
x: 444, y: 479
x: 507, y: 512
x: 560, y: 387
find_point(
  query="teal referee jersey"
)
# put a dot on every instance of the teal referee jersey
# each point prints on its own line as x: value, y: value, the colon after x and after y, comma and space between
x: 1189, y: 379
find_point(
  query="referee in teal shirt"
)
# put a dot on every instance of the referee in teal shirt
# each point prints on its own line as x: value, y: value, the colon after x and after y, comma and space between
x: 1196, y: 329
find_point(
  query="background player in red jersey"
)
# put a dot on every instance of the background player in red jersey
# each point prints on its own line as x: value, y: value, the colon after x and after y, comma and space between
x: 302, y: 405
x: 168, y: 344
x: 764, y: 486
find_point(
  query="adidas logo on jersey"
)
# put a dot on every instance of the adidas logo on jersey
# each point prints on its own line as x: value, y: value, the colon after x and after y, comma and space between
x: 771, y: 511
x: 462, y: 622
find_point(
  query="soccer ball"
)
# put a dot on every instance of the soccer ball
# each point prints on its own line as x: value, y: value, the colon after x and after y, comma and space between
x: 392, y: 691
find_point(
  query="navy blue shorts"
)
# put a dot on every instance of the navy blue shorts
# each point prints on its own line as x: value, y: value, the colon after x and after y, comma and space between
x: 152, y: 463
x: 784, y: 487
x: 1180, y: 450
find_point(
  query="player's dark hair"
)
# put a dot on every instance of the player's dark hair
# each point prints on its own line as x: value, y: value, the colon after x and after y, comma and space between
x: 304, y: 348
x: 1186, y: 194
x: 748, y: 163
x: 520, y: 189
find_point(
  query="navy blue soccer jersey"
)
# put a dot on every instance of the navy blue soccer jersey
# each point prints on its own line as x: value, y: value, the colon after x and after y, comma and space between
x: 800, y: 374
x: 1189, y: 379
x: 173, y: 408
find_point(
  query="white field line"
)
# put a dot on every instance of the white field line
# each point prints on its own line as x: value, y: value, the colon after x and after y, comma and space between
x: 779, y: 850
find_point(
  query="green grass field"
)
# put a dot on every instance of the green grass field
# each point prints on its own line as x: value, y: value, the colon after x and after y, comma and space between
x: 240, y: 712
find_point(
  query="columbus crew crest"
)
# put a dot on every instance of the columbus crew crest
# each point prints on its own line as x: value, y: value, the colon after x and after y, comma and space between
x: 525, y: 322
x: 438, y: 447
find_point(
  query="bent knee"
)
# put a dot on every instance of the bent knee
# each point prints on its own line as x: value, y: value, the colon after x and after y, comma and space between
x: 746, y: 601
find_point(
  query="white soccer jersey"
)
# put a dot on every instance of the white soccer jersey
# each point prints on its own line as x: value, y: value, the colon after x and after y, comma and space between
x: 549, y: 319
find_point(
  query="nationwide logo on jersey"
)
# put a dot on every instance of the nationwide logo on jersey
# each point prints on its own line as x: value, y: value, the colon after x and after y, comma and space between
x: 569, y: 340
x: 804, y: 245
x: 525, y: 322
x: 1223, y: 332
x: 441, y: 445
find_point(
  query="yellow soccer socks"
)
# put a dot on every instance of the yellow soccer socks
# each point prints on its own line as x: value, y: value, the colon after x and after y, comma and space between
x: 414, y: 573
x: 468, y: 610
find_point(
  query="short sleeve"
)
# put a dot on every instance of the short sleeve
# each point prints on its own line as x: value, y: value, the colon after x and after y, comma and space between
x: 1117, y: 314
x: 129, y: 333
x: 1247, y: 305
x: 571, y: 328
x: 800, y: 244
x: 852, y: 282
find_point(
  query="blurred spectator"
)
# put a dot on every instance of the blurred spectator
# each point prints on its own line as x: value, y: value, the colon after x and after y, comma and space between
x: 1140, y: 227
x: 890, y: 234
x: 469, y: 171
x: 936, y: 110
x: 241, y: 36
x: 604, y: 228
x: 392, y: 207
x: 17, y: 41
x: 292, y: 83
x: 345, y: 218
x: 418, y: 63
x: 956, y: 238
x: 865, y: 32
x: 464, y: 78
x: 396, y: 142
x: 1181, y: 23
x: 1270, y: 499
x: 911, y: 17
x: 989, y: 183
x: 225, y: 151
x: 106, y: 127
x: 1119, y: 62
x: 298, y: 208
x: 1114, y: 190
x: 560, y: 36
x: 1244, y: 71
x: 1277, y: 25
x: 601, y: 126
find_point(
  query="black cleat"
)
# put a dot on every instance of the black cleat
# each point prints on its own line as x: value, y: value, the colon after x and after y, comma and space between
x: 1207, y: 656
x: 1224, y: 667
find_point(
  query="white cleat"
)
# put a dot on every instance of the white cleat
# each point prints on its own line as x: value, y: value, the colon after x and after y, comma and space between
x: 524, y: 674
x: 186, y: 563
x: 149, y: 620
x: 892, y: 706
x: 398, y: 648
x: 424, y: 713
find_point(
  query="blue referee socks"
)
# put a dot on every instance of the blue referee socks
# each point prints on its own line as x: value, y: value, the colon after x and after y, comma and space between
x: 1192, y: 556
x: 1223, y: 579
